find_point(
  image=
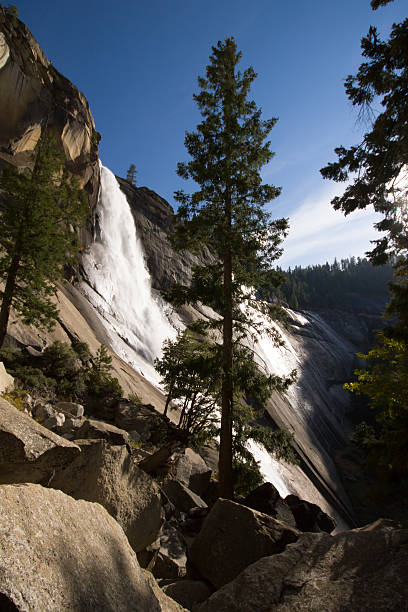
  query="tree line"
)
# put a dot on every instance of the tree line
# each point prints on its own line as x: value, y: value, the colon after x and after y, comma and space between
x: 337, y: 285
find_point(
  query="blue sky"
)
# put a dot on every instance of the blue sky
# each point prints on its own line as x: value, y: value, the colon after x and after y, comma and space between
x: 137, y: 62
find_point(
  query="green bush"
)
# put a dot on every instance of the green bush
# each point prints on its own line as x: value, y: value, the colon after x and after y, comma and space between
x: 61, y: 361
x: 34, y: 380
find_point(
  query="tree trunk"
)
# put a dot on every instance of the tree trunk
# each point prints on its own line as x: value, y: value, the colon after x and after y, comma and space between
x: 8, y: 296
x: 225, y: 461
x: 168, y: 400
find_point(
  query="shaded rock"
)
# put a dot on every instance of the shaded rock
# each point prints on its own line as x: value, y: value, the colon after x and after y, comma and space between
x: 171, y: 557
x: 355, y: 571
x: 266, y: 499
x: 98, y: 430
x: 187, y: 592
x: 194, y: 521
x: 71, y: 424
x: 191, y: 470
x: 233, y: 537
x: 107, y: 475
x: 54, y: 421
x: 6, y: 380
x: 59, y: 554
x: 42, y: 412
x: 309, y: 517
x: 144, y: 419
x: 28, y: 451
x: 210, y: 455
x: 70, y: 408
x: 182, y: 498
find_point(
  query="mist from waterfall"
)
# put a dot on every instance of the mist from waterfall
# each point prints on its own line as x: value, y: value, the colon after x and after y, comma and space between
x: 119, y: 285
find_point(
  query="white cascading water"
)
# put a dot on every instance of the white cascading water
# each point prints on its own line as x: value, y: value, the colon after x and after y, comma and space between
x: 119, y: 285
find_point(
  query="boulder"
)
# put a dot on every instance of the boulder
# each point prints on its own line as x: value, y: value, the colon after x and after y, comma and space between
x: 107, y: 475
x: 360, y: 570
x: 234, y: 536
x: 62, y: 555
x: 28, y: 451
x: 71, y: 424
x: 181, y: 497
x: 171, y: 557
x: 144, y: 419
x: 6, y: 380
x: 309, y: 517
x: 187, y: 593
x: 191, y: 470
x: 92, y: 429
x: 266, y: 499
x: 43, y: 411
x: 55, y: 421
x: 70, y: 408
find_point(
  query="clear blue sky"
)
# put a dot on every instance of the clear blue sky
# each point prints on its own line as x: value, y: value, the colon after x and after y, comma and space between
x: 137, y: 62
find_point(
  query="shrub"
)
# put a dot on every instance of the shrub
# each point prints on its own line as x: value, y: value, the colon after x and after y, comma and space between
x: 61, y: 361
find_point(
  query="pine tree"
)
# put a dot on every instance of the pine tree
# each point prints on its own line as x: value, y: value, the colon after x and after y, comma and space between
x: 226, y: 214
x: 38, y: 236
x: 131, y: 174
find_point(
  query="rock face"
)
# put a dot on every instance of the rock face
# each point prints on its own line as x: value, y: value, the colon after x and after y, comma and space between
x: 107, y: 475
x: 35, y: 94
x: 59, y: 554
x: 153, y: 218
x: 233, y: 537
x: 28, y: 451
x: 356, y: 571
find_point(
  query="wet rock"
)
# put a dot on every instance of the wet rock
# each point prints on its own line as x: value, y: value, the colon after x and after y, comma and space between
x: 361, y: 570
x: 63, y: 555
x: 107, y: 475
x: 234, y: 536
x: 28, y: 451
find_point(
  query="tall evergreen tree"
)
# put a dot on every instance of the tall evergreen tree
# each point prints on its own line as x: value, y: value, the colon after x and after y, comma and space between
x: 40, y: 216
x: 227, y: 214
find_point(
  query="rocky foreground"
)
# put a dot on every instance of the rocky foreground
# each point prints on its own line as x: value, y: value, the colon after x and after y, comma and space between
x: 101, y: 517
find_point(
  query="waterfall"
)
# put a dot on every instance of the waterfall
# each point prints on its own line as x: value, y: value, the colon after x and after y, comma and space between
x: 119, y: 285
x: 137, y: 322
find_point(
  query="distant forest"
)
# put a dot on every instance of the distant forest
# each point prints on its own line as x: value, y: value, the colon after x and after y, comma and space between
x: 335, y: 285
